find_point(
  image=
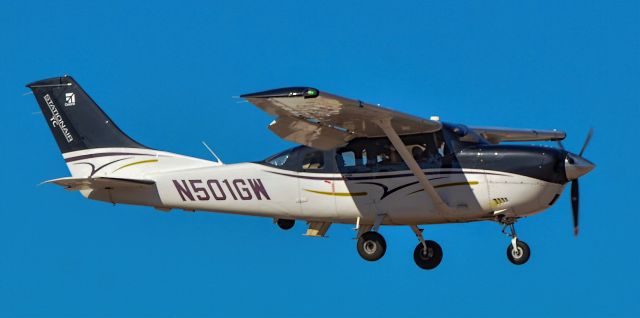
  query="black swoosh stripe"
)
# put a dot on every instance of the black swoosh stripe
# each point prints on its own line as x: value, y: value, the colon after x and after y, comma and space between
x: 385, y: 190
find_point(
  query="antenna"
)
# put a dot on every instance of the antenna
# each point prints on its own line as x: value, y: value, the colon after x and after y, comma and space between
x: 211, y: 151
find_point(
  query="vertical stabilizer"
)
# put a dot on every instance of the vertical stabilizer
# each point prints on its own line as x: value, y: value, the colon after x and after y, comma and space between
x: 76, y: 121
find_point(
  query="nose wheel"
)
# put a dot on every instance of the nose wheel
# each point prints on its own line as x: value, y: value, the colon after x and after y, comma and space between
x: 427, y: 254
x: 519, y: 254
x: 518, y: 251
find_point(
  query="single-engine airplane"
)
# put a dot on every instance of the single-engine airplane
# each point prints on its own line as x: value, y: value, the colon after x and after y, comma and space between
x: 357, y: 163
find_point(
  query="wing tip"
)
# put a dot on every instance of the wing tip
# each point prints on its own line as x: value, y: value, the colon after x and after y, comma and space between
x: 296, y: 91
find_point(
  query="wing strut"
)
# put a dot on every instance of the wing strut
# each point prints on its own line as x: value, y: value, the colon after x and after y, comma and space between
x: 438, y: 203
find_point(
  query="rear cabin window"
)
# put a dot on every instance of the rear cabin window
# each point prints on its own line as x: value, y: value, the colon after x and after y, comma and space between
x: 313, y: 161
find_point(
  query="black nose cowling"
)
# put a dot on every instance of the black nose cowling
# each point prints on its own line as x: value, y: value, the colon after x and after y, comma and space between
x: 542, y: 163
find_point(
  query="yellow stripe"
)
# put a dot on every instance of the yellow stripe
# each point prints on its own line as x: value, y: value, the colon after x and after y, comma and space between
x: 338, y: 194
x: 456, y: 184
x: 136, y: 163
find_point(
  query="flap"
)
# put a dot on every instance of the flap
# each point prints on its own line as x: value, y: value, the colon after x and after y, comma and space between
x: 310, y: 134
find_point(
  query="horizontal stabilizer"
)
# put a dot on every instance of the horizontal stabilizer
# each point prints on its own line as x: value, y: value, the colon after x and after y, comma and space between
x: 101, y: 183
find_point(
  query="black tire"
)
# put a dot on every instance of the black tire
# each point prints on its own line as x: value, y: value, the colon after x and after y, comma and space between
x: 430, y: 258
x: 371, y: 246
x: 519, y: 256
x: 286, y: 224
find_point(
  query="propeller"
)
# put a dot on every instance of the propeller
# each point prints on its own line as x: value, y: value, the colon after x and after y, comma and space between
x: 575, y: 186
x: 575, y: 205
x: 586, y: 141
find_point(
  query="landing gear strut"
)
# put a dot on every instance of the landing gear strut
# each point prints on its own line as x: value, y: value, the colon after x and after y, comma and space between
x: 428, y: 254
x: 518, y: 251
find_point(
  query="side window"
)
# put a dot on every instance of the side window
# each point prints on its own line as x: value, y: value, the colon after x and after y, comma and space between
x: 313, y: 160
x: 351, y: 160
x: 433, y: 151
x: 346, y: 159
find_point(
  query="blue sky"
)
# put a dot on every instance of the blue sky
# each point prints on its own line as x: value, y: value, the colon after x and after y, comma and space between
x: 166, y: 73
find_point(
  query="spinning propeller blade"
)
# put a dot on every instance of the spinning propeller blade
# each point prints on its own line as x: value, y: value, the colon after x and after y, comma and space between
x: 575, y: 187
x: 575, y: 205
x: 586, y: 142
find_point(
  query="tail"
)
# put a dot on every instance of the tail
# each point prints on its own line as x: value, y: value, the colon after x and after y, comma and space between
x: 75, y: 120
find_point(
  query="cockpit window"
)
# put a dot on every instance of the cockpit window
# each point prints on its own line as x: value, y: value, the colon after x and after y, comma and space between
x: 313, y: 161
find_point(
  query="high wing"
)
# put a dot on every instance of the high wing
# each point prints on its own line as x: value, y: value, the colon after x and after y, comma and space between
x: 99, y: 183
x: 496, y: 135
x: 325, y: 121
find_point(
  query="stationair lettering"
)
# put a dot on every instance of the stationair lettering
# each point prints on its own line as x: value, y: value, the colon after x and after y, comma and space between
x: 56, y: 119
x: 214, y: 189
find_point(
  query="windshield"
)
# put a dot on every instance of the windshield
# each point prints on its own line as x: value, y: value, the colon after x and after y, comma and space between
x: 279, y: 159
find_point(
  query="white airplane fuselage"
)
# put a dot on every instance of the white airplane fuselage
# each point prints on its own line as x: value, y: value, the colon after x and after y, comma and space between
x: 257, y: 189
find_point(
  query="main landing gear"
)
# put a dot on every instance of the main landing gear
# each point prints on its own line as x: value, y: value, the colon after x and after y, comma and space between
x: 372, y: 247
x: 286, y: 224
x: 518, y: 251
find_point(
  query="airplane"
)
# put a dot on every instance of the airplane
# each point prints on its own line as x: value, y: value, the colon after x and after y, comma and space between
x: 356, y: 163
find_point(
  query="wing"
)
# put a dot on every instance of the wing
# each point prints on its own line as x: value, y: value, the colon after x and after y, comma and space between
x: 325, y: 121
x: 72, y: 184
x: 496, y: 135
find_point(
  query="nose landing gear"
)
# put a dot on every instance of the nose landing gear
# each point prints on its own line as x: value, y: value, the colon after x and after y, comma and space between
x: 428, y: 254
x: 518, y: 251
